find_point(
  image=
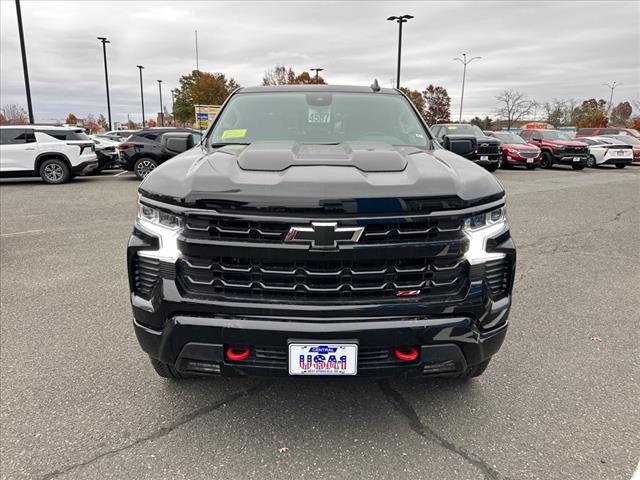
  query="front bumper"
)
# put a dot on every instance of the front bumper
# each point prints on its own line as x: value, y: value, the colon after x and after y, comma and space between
x: 570, y: 159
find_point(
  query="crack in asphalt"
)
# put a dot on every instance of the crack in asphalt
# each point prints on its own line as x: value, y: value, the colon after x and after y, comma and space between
x: 396, y: 399
x: 161, y: 432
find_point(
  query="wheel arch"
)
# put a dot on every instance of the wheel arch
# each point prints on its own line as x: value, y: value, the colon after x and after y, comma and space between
x: 50, y: 155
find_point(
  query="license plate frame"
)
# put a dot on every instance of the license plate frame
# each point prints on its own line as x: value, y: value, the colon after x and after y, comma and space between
x: 484, y: 158
x: 577, y: 159
x: 310, y: 350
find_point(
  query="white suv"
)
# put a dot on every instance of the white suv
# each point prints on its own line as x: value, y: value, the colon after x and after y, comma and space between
x: 56, y: 154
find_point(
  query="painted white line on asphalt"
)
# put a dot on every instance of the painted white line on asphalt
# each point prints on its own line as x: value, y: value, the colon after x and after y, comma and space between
x: 121, y: 173
x: 636, y: 474
x: 26, y: 232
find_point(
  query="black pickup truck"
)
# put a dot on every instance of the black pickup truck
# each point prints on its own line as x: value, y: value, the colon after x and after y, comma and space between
x: 470, y: 142
x: 320, y: 230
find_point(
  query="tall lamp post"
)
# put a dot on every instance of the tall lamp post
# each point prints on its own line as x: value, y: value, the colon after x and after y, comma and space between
x: 161, y: 109
x: 106, y: 77
x: 173, y: 101
x: 24, y: 63
x: 317, y: 70
x: 612, y: 87
x: 464, y: 62
x: 401, y: 19
x: 140, y: 67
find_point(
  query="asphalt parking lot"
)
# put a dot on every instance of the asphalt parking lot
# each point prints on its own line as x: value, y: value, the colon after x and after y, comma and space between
x: 559, y: 401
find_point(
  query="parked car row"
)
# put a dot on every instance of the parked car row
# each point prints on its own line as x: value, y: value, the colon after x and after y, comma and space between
x: 540, y: 147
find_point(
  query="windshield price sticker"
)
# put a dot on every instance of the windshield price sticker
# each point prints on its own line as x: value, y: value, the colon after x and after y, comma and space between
x: 236, y: 133
x: 319, y: 115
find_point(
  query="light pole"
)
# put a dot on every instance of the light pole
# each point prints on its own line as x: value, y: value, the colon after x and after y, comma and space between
x: 612, y: 87
x: 316, y: 70
x: 161, y: 110
x: 464, y: 62
x: 401, y: 19
x: 173, y: 101
x: 106, y: 76
x: 24, y: 63
x: 140, y: 67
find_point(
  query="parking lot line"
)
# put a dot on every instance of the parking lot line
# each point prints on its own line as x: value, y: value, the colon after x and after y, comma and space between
x: 121, y: 173
x: 26, y: 232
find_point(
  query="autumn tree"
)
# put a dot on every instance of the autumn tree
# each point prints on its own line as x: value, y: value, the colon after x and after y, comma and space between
x: 437, y: 105
x: 102, y: 122
x: 416, y: 98
x: 71, y: 119
x: 200, y: 88
x: 3, y: 120
x: 591, y: 114
x: 513, y: 106
x: 14, y: 115
x: 281, y: 75
x: 91, y: 123
x: 621, y: 113
x: 151, y: 123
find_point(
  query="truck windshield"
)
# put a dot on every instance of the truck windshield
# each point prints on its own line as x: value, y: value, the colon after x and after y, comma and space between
x: 555, y: 135
x: 319, y: 118
x: 473, y: 130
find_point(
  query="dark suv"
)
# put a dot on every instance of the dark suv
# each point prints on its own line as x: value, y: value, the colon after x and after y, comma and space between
x: 146, y: 149
x: 320, y: 230
x: 470, y: 142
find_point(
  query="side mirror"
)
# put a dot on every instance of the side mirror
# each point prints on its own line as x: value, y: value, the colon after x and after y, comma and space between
x: 461, y: 146
x: 177, y: 142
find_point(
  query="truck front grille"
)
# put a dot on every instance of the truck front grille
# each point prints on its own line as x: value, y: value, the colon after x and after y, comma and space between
x: 489, y: 149
x: 327, y: 280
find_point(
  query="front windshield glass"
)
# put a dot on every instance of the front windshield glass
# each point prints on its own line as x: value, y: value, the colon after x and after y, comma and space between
x: 510, y: 138
x: 319, y: 118
x: 555, y: 135
x: 465, y: 130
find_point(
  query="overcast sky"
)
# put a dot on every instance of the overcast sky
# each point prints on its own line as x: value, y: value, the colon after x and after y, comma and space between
x: 547, y: 50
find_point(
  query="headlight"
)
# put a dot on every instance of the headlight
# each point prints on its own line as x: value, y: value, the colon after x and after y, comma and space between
x: 481, y: 227
x: 159, y: 217
x: 166, y: 226
x: 559, y: 147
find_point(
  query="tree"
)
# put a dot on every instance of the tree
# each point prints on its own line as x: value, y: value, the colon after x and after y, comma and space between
x: 71, y: 119
x: 14, y: 115
x: 200, y: 88
x: 91, y: 123
x: 437, y: 105
x: 555, y: 112
x: 513, y: 106
x: 3, y: 120
x: 151, y: 123
x: 281, y: 75
x: 591, y: 114
x: 102, y: 122
x: 417, y: 99
x: 484, y: 124
x: 621, y: 113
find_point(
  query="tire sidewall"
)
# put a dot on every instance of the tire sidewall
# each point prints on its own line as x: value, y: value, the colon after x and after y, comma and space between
x: 138, y: 162
x: 591, y: 162
x: 59, y: 165
x: 547, y: 161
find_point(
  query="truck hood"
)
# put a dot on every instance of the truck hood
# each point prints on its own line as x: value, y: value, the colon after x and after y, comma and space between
x: 568, y: 143
x: 281, y: 176
x: 489, y: 140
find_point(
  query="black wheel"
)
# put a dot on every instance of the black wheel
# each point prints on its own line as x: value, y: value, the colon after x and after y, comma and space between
x: 547, y: 160
x: 620, y: 165
x: 578, y: 167
x: 143, y: 167
x: 167, y: 371
x: 55, y: 171
x: 492, y: 167
x: 591, y: 161
x: 474, y: 371
x: 531, y: 167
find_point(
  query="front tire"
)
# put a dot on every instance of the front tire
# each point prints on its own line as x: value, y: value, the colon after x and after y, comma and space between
x: 547, y: 160
x: 591, y: 161
x: 54, y: 171
x: 143, y: 167
x: 620, y: 165
x: 167, y: 371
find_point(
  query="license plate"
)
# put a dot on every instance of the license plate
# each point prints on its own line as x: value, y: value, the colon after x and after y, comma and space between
x: 323, y: 359
x: 529, y: 160
x: 484, y: 157
x: 622, y: 153
x: 576, y: 159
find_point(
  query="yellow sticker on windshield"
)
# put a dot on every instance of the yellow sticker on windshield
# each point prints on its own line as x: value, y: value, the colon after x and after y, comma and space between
x: 451, y: 127
x: 236, y: 133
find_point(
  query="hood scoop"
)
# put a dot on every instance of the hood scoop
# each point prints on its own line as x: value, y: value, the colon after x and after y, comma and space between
x: 279, y: 156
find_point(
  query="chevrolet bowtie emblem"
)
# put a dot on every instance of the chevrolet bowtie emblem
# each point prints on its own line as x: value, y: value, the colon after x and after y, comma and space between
x: 324, y: 235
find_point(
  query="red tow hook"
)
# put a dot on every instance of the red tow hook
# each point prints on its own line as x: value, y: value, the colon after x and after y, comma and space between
x: 406, y: 354
x: 238, y: 354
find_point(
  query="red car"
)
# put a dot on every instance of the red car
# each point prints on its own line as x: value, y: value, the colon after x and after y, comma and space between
x: 515, y: 151
x: 557, y: 148
x: 607, y: 132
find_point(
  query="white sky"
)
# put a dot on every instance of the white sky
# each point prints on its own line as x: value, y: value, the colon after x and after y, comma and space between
x: 545, y: 49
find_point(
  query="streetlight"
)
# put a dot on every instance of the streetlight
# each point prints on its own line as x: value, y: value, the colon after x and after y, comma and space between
x: 161, y: 110
x: 401, y: 19
x: 106, y: 76
x: 465, y: 62
x: 173, y: 101
x: 612, y: 87
x: 24, y: 63
x: 140, y: 67
x: 316, y: 70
